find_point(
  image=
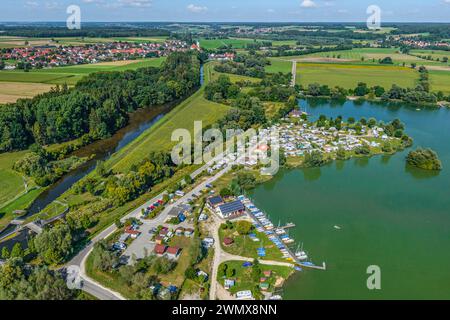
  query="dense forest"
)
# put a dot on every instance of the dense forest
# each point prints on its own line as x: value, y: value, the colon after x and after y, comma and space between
x: 86, y: 31
x: 98, y: 105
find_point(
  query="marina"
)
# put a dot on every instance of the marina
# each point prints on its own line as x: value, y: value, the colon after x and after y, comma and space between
x: 279, y: 237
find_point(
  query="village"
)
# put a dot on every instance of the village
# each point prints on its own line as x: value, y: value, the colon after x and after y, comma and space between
x: 300, y: 137
x: 56, y: 56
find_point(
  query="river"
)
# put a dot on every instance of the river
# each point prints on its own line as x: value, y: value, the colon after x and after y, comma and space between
x: 390, y: 215
x: 139, y: 121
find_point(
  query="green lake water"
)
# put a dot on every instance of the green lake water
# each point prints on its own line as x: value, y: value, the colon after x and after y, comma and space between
x: 390, y: 215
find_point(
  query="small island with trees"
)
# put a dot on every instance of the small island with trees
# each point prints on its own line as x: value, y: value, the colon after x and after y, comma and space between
x: 426, y: 159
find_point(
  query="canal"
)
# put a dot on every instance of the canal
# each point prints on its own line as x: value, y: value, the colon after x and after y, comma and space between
x: 389, y: 214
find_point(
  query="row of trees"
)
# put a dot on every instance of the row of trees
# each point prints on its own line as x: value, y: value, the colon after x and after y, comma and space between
x: 409, y: 95
x: 98, y: 105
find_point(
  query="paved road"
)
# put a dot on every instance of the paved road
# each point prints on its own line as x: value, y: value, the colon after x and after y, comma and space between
x: 96, y: 289
x: 79, y: 260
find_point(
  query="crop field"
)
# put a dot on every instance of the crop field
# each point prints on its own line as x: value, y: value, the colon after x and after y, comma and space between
x: 17, y: 42
x: 11, y: 91
x: 57, y: 75
x: 435, y: 54
x: 440, y: 81
x: 363, y: 56
x: 348, y: 76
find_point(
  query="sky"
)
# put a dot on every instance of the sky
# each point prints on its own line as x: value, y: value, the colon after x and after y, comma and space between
x: 227, y: 10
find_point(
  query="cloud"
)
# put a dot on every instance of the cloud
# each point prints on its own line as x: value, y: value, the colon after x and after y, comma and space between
x: 31, y: 4
x: 308, y: 4
x: 135, y: 3
x: 197, y: 9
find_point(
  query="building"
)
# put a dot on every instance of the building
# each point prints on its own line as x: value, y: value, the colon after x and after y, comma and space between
x: 244, y: 295
x: 228, y: 241
x: 173, y: 252
x: 179, y: 231
x: 231, y: 210
x: 228, y: 283
x: 208, y: 242
x: 214, y: 202
x: 133, y: 233
x: 188, y: 232
x: 160, y: 249
x: 159, y: 239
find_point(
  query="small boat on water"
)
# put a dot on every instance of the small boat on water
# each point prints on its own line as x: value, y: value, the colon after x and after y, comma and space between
x: 337, y: 227
x: 300, y: 254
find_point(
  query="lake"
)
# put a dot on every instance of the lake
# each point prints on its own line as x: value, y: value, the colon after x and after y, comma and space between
x: 390, y: 215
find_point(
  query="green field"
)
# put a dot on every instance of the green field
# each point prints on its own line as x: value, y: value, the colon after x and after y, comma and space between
x: 12, y: 187
x: 72, y: 74
x: 279, y: 65
x: 440, y: 81
x: 17, y: 42
x: 158, y: 137
x: 348, y: 76
x: 236, y: 43
x: 363, y: 56
x: 11, y: 182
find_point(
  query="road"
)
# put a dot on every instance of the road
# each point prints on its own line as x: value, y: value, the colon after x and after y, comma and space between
x: 221, y: 256
x: 294, y: 72
x: 103, y: 293
x: 95, y: 288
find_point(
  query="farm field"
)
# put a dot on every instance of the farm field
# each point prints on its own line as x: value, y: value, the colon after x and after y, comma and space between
x: 11, y: 91
x: 217, y: 43
x: 213, y: 75
x: 17, y: 42
x: 348, y: 76
x: 58, y: 74
x: 158, y: 137
x: 440, y: 81
x: 279, y: 65
x: 370, y: 56
x: 435, y: 54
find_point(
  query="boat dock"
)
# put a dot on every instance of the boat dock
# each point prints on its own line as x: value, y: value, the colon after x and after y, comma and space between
x: 278, y: 236
x: 288, y: 225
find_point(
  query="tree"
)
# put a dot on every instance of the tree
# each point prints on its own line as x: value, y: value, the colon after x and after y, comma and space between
x: 54, y: 245
x: 190, y: 273
x: 387, y: 60
x: 426, y: 159
x: 17, y: 251
x: 314, y: 159
x: 102, y: 258
x: 341, y: 154
x: 244, y: 227
x: 226, y: 192
x: 2, y: 64
x: 372, y: 122
x: 5, y: 253
x: 361, y: 90
x: 223, y: 270
x: 188, y: 179
x: 230, y: 272
x: 256, y: 271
